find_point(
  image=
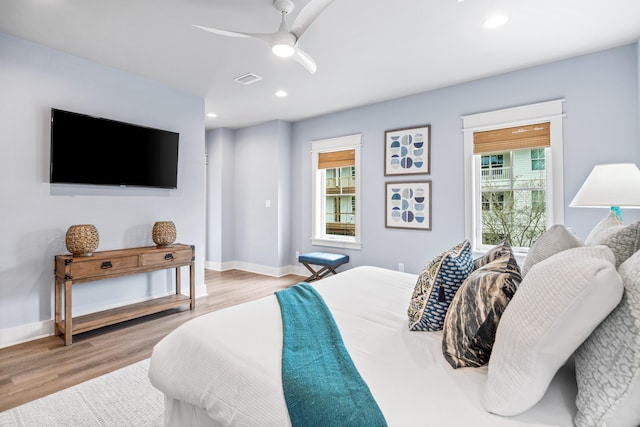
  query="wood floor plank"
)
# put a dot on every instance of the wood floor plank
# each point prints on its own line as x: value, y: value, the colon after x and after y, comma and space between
x: 37, y: 368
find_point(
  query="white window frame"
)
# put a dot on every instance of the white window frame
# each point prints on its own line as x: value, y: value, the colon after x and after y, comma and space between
x: 551, y: 112
x: 319, y: 236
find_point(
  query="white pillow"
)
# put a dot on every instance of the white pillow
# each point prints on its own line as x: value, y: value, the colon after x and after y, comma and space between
x: 556, y: 307
x: 556, y: 238
x: 608, y: 362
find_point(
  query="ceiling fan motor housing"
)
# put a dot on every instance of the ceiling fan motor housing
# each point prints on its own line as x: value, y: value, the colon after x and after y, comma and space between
x: 283, y: 6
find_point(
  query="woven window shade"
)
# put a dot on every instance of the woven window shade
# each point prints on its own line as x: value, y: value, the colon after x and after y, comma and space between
x: 514, y: 138
x: 336, y: 159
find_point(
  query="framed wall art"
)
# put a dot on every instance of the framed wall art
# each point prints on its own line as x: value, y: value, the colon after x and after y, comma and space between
x: 408, y: 205
x: 407, y: 151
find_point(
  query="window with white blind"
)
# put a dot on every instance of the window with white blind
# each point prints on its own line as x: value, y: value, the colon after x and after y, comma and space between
x: 513, y: 174
x: 336, y: 192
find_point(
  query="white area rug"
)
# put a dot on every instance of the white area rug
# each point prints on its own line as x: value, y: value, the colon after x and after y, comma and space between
x: 121, y: 398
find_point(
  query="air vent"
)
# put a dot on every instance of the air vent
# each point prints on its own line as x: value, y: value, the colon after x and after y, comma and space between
x: 248, y: 79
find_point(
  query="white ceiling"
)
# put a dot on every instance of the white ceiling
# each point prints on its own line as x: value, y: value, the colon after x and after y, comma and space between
x: 366, y: 50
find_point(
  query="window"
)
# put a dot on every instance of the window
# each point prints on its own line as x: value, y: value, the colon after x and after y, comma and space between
x: 513, y: 189
x: 537, y: 159
x: 336, y: 191
x: 493, y: 161
x: 538, y: 200
x: 496, y: 200
x: 493, y: 167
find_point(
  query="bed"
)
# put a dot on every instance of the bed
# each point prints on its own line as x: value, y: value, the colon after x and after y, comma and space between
x: 224, y: 368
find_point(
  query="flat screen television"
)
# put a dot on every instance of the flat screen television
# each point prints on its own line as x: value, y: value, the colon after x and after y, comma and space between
x: 98, y: 151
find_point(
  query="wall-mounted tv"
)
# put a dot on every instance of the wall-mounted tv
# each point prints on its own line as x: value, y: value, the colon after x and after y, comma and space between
x: 98, y: 151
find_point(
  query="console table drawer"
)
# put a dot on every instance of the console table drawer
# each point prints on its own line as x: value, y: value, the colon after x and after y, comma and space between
x: 101, y: 267
x: 167, y: 257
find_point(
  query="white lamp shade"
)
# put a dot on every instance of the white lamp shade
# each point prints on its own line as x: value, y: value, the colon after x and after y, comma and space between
x: 608, y: 185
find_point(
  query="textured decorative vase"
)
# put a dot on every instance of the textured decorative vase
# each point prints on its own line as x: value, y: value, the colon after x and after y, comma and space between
x: 82, y: 240
x: 164, y: 233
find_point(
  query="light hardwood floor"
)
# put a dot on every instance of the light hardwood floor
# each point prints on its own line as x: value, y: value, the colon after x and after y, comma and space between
x: 37, y: 368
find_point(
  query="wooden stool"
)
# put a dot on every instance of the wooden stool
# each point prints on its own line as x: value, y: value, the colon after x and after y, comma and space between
x: 328, y: 261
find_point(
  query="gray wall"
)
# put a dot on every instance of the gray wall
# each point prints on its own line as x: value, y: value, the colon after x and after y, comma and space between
x: 602, y: 125
x: 248, y: 169
x: 35, y: 214
x: 220, y: 196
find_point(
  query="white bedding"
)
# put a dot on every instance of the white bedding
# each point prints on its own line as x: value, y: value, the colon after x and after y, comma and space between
x: 228, y: 362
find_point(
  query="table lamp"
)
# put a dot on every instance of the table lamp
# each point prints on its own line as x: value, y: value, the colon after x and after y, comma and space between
x: 615, y: 186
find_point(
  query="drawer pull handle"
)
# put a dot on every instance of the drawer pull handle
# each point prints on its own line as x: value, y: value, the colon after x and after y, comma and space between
x: 106, y: 264
x: 168, y: 257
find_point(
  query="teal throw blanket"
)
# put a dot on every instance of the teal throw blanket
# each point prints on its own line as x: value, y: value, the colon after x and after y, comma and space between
x: 322, y: 386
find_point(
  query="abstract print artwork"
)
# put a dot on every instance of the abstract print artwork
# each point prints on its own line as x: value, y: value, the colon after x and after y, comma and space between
x: 408, y: 205
x: 407, y: 151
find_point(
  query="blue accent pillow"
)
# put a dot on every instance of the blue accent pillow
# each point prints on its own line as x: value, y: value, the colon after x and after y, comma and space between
x: 436, y: 287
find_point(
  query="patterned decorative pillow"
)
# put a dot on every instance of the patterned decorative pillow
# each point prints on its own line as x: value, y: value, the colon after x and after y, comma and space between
x: 556, y: 239
x: 623, y: 240
x: 499, y: 251
x: 436, y: 287
x: 472, y: 320
x: 608, y: 362
x: 557, y: 306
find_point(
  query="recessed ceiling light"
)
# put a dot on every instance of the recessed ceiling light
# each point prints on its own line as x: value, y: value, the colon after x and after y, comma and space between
x: 495, y: 21
x: 281, y: 93
x: 212, y: 115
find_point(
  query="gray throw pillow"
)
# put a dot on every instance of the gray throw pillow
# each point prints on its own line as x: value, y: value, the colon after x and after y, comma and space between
x: 472, y: 320
x: 608, y: 362
x: 623, y: 240
x: 556, y: 238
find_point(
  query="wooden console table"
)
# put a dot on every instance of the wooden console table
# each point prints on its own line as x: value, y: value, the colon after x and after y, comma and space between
x: 73, y: 270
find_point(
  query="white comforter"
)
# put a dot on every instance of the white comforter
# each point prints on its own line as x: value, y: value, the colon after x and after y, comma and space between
x: 228, y: 362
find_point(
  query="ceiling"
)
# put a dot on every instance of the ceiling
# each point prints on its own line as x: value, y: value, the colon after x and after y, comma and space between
x: 366, y: 50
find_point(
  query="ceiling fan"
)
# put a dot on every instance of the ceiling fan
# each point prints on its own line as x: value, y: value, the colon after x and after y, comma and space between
x: 284, y: 42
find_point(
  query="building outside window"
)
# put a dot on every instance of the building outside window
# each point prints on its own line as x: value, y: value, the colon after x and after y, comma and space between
x: 336, y: 192
x: 340, y: 201
x: 511, y: 200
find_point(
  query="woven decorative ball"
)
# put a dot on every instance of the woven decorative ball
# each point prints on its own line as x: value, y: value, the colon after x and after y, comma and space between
x: 164, y: 233
x: 82, y: 240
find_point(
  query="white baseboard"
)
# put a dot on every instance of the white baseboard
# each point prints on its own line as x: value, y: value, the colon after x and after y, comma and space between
x: 24, y: 333
x: 219, y: 266
x: 257, y: 268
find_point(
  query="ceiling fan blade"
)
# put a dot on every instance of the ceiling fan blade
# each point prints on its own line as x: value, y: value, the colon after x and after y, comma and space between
x: 307, y: 15
x: 269, y: 38
x: 305, y: 60
x: 223, y: 32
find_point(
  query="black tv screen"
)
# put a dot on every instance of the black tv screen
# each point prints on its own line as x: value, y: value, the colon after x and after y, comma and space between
x: 98, y: 151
